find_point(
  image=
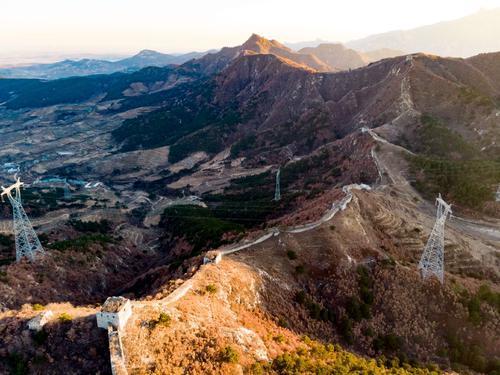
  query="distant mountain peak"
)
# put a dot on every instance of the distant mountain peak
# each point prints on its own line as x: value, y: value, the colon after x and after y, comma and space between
x: 260, y: 44
x: 331, y: 46
x: 147, y: 52
x: 254, y: 38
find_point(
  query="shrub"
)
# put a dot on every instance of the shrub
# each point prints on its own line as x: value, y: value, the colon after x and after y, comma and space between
x: 345, y: 327
x: 292, y: 255
x: 300, y: 297
x: 388, y: 263
x: 3, y: 277
x: 102, y: 226
x: 65, y: 318
x: 474, y: 308
x: 315, y: 310
x: 243, y: 144
x: 366, y: 295
x: 211, y: 288
x: 366, y: 312
x: 393, y: 342
x: 164, y: 319
x: 336, y: 172
x: 198, y: 226
x: 353, y: 308
x: 279, y: 338
x: 368, y: 331
x: 40, y: 337
x: 487, y: 295
x: 461, y: 353
x: 258, y: 368
x: 37, y: 307
x: 18, y: 365
x: 324, y: 315
x: 300, y: 269
x: 6, y: 241
x: 389, y: 342
x: 282, y: 323
x: 81, y: 243
x: 229, y: 355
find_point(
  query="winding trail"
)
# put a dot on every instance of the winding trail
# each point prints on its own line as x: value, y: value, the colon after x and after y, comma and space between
x: 327, y: 216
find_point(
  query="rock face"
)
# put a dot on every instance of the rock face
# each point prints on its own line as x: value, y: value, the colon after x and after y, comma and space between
x: 37, y: 323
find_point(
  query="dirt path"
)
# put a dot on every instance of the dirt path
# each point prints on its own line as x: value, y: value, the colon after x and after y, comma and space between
x: 387, y: 161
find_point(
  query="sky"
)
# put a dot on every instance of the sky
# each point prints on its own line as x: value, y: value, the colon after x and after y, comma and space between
x: 35, y: 27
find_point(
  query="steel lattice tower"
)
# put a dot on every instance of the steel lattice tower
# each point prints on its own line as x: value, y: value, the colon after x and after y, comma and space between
x: 432, y: 261
x: 277, y: 191
x: 27, y: 243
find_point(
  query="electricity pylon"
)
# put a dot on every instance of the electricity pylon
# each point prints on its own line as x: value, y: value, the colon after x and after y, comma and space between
x: 277, y: 191
x: 432, y: 261
x: 27, y: 243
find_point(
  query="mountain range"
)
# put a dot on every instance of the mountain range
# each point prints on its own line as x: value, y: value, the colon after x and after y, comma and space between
x: 263, y: 209
x: 83, y: 67
x: 464, y: 37
x: 325, y: 58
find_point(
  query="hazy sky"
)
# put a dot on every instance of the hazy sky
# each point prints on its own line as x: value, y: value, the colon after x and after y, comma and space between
x: 126, y: 26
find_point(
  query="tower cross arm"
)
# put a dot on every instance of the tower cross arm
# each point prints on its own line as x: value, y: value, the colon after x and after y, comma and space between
x: 7, y: 191
x: 446, y: 206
